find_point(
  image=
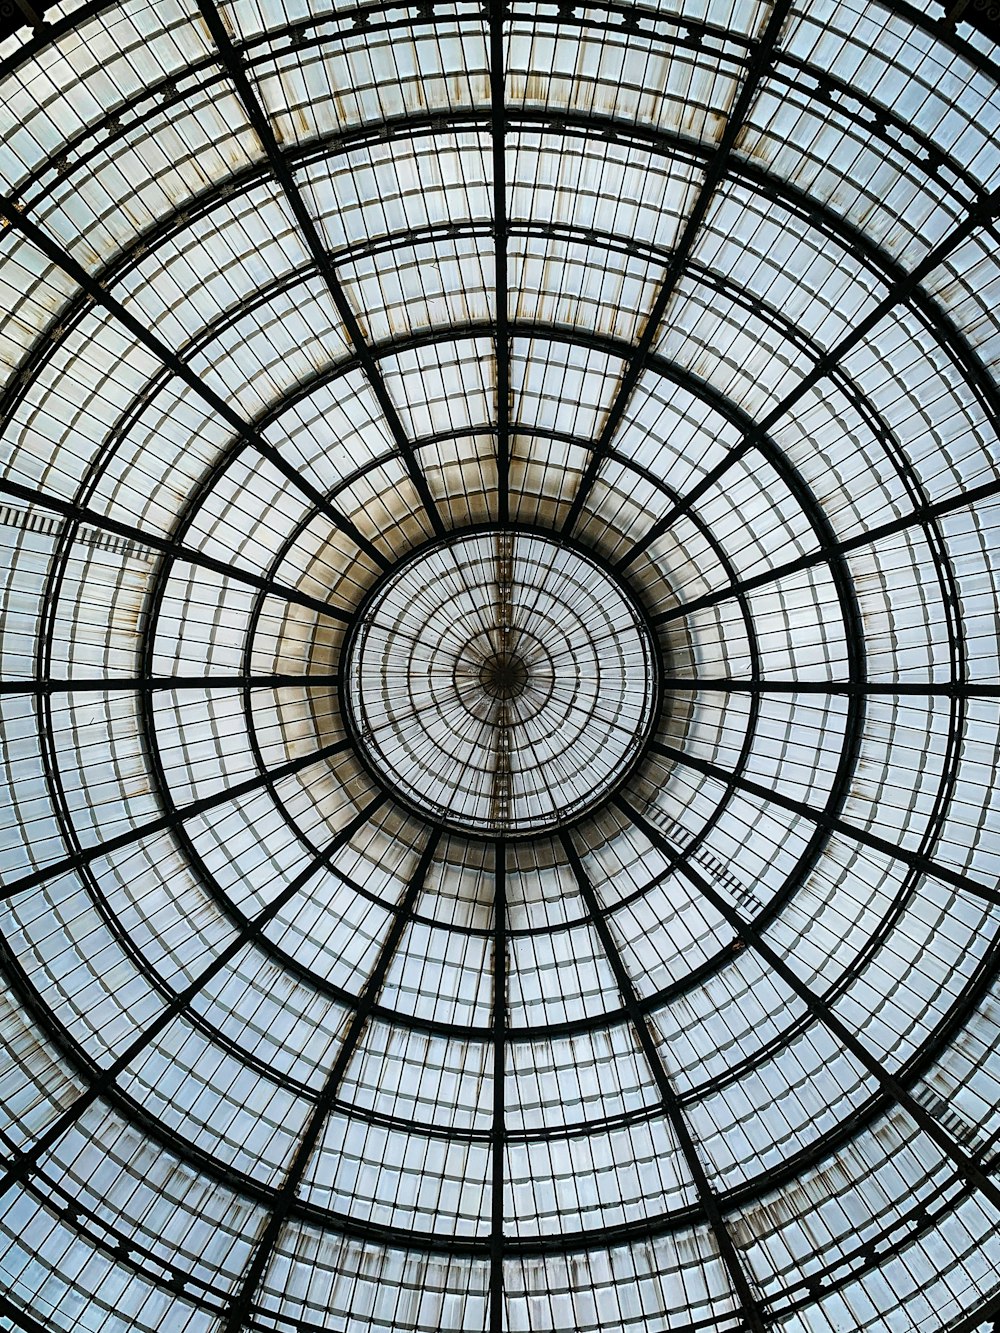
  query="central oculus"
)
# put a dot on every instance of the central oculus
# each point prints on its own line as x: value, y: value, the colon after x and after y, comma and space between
x: 504, y: 675
x: 500, y: 682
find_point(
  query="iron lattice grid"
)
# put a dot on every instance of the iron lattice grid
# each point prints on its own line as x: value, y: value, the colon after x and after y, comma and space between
x: 712, y: 294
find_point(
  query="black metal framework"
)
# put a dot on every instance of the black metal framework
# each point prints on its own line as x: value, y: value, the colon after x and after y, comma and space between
x: 750, y: 1306
x: 759, y: 58
x: 498, y: 1131
x: 498, y: 103
x: 238, y: 789
x: 235, y: 71
x: 967, y: 1166
x: 421, y: 724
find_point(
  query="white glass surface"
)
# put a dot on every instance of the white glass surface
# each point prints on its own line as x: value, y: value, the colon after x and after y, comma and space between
x: 343, y: 988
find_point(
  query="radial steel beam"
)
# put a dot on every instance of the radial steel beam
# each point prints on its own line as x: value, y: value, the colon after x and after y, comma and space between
x: 980, y: 215
x: 499, y: 1025
x: 967, y: 1166
x: 919, y: 516
x: 241, y: 1303
x: 25, y: 1161
x: 31, y: 14
x: 761, y: 56
x: 166, y: 546
x: 152, y: 342
x: 153, y: 684
x: 946, y: 15
x: 921, y: 689
x: 498, y: 125
x: 831, y: 823
x: 751, y: 1308
x: 163, y: 823
x: 9, y: 1309
x: 234, y: 67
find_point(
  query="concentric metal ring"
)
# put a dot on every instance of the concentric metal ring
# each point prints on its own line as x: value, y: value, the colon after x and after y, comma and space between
x: 300, y: 295
x: 501, y: 682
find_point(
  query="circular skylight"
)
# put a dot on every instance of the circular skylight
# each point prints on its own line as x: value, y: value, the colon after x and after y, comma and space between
x: 500, y: 682
x: 499, y: 668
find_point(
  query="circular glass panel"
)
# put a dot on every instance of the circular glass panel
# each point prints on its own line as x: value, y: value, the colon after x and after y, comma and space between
x: 501, y: 682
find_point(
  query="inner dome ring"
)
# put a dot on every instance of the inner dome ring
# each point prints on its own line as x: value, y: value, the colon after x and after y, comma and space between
x: 500, y: 682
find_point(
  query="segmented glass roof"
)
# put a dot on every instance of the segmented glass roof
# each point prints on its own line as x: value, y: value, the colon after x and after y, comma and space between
x: 499, y: 667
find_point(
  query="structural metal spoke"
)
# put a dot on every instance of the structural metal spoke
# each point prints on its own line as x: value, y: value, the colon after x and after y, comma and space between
x: 760, y: 58
x: 894, y: 850
x: 500, y: 1026
x: 921, y: 689
x: 750, y: 1306
x: 151, y: 341
x: 314, y: 243
x: 241, y: 1303
x: 154, y: 684
x: 979, y: 215
x: 497, y: 9
x: 165, y: 546
x: 26, y: 1161
x: 968, y: 1167
x: 165, y: 822
x: 919, y: 516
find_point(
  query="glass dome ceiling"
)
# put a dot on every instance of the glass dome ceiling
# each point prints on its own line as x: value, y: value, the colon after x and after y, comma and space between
x: 499, y: 667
